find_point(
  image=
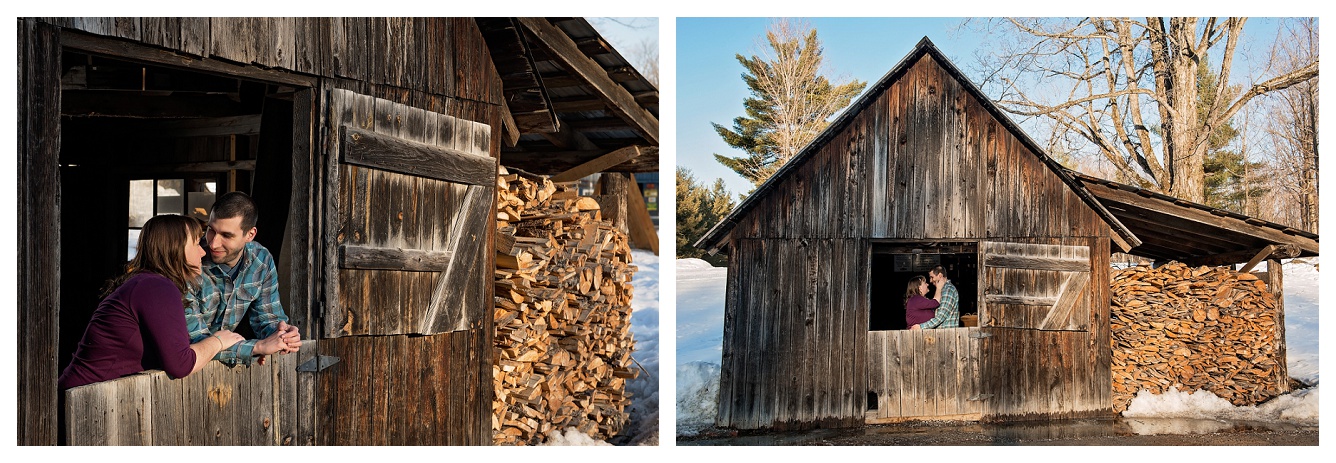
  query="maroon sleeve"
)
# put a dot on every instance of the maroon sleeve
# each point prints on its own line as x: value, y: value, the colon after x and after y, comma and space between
x: 164, y: 323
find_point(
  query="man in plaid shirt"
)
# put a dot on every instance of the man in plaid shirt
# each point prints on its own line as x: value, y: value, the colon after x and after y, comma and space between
x: 239, y: 280
x: 948, y: 312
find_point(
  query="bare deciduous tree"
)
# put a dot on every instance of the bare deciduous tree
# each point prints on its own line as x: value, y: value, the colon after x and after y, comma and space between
x: 1128, y: 87
x: 1293, y: 121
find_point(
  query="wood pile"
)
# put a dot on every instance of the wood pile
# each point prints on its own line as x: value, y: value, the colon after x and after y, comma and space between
x: 562, y: 315
x: 1208, y: 328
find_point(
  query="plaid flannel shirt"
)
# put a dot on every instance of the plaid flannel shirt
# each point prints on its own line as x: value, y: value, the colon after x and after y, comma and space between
x: 948, y: 313
x: 221, y: 302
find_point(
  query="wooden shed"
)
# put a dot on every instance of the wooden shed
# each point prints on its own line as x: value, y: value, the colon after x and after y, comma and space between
x: 922, y: 170
x: 371, y: 146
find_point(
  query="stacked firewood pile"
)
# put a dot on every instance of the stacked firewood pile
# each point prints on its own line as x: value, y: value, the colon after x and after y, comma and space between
x: 1208, y: 328
x: 562, y: 315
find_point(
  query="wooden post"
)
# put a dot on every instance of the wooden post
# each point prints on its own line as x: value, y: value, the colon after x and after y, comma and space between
x: 613, y: 188
x: 1275, y: 282
x: 38, y: 283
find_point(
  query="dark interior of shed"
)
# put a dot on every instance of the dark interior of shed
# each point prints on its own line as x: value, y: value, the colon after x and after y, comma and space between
x: 140, y: 140
x: 894, y: 265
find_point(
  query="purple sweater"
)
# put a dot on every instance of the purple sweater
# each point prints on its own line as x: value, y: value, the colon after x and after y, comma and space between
x: 919, y: 309
x: 139, y: 326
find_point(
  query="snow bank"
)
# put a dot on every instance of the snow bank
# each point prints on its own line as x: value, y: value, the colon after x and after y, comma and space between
x: 700, y: 331
x: 572, y: 436
x: 642, y: 425
x: 700, y: 311
x: 697, y: 397
x: 1298, y: 407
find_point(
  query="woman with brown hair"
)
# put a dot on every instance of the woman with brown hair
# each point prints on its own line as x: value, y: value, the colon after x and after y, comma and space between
x: 141, y: 324
x: 918, y: 308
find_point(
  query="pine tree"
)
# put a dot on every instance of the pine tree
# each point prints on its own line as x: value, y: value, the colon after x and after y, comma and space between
x: 699, y: 209
x: 1225, y: 183
x: 789, y: 105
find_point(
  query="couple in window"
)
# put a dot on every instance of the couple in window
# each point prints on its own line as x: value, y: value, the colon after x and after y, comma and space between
x: 942, y: 311
x: 181, y: 297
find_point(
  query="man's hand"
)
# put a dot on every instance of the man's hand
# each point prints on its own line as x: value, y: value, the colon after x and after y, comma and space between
x: 915, y: 327
x: 292, y: 339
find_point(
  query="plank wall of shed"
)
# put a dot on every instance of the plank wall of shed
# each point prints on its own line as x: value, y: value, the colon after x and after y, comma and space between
x: 794, y: 351
x: 924, y: 161
x: 438, y: 64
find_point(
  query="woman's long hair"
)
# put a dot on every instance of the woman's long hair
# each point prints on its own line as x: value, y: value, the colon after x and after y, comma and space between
x: 914, y: 286
x: 160, y: 252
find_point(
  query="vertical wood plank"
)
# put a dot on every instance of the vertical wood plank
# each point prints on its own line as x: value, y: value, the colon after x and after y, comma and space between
x: 39, y: 244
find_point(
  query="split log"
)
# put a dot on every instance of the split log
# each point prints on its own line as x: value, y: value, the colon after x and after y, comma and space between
x: 1208, y: 328
x: 562, y: 315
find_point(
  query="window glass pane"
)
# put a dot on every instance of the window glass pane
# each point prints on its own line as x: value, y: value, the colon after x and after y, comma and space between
x: 198, y: 203
x: 132, y: 244
x: 170, y: 197
x: 141, y: 202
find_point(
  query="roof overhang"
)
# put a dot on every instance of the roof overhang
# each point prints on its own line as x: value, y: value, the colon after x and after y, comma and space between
x: 1174, y: 229
x: 572, y: 100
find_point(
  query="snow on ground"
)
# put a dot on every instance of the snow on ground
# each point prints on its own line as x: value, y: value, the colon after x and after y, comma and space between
x: 700, y: 321
x: 643, y: 424
x: 700, y: 333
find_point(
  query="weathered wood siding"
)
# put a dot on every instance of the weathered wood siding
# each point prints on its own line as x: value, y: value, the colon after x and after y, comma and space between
x: 399, y: 390
x: 924, y: 374
x: 214, y: 406
x: 412, y: 195
x: 38, y: 281
x: 795, y: 338
x: 923, y: 160
x: 441, y: 56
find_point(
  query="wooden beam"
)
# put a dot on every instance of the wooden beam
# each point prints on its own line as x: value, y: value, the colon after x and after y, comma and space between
x: 511, y: 134
x: 205, y: 167
x: 133, y: 51
x: 1202, y: 218
x: 568, y: 54
x: 1037, y: 263
x: 641, y: 226
x: 203, y: 127
x: 1263, y: 254
x: 371, y: 149
x: 598, y: 164
x: 413, y: 260
x: 567, y: 137
x: 1231, y: 258
x: 133, y: 104
x: 1275, y: 282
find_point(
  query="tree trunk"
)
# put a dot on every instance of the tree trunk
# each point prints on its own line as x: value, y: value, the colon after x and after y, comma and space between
x: 1184, y: 150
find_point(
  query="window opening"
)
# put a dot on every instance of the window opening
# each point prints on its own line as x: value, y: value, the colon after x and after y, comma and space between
x: 894, y: 265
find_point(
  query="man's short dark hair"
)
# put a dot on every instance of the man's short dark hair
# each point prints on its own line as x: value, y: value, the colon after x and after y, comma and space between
x: 236, y: 204
x: 938, y: 270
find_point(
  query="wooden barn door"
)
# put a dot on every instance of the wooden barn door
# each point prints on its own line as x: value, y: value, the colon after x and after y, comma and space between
x: 1035, y: 323
x: 403, y: 349
x: 408, y: 206
x: 1036, y: 286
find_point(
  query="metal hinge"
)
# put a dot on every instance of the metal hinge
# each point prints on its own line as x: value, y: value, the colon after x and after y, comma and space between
x: 980, y: 397
x: 320, y: 362
x: 980, y: 335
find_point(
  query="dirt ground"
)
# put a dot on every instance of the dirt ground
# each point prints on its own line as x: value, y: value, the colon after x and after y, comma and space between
x: 1113, y: 432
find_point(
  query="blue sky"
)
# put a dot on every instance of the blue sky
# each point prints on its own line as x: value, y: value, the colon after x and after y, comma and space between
x: 710, y: 88
x: 709, y: 81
